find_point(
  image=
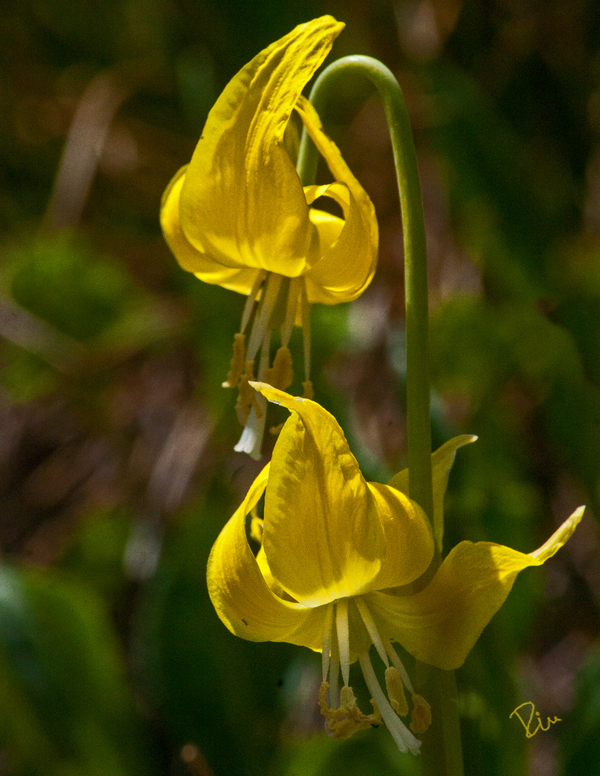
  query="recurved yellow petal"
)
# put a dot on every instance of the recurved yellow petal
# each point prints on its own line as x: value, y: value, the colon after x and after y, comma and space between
x: 441, y: 624
x: 240, y: 595
x: 322, y: 534
x: 347, y: 263
x: 441, y: 463
x: 241, y: 178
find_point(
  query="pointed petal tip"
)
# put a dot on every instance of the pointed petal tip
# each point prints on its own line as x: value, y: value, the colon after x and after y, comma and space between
x: 274, y: 395
x: 257, y: 385
x: 326, y: 22
x: 464, y: 439
x: 559, y: 538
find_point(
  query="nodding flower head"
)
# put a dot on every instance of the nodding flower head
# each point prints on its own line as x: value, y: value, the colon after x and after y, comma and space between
x: 238, y: 215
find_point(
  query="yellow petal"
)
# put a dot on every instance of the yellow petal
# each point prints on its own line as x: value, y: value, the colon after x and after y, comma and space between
x: 322, y: 533
x: 234, y: 278
x: 409, y: 543
x: 440, y: 624
x: 242, y: 201
x: 240, y: 595
x: 346, y: 264
x: 328, y: 226
x: 441, y: 463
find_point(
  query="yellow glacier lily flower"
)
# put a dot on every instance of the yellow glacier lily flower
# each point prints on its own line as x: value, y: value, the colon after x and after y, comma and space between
x: 238, y: 215
x: 334, y: 571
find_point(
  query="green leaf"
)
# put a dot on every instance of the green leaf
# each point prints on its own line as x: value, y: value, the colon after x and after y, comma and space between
x: 64, y: 703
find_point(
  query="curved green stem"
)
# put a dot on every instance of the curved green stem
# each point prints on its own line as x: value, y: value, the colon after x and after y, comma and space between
x: 442, y: 753
x: 415, y: 256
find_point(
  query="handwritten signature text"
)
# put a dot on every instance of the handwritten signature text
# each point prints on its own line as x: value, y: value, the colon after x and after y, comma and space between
x: 531, y: 717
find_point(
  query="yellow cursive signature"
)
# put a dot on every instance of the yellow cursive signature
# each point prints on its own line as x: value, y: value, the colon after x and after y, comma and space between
x: 527, y: 723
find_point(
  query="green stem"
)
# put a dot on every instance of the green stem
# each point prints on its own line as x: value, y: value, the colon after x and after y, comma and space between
x: 415, y: 255
x: 442, y: 753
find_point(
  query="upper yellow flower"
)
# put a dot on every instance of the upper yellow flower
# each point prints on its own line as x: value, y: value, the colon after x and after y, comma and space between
x: 238, y: 214
x: 334, y: 571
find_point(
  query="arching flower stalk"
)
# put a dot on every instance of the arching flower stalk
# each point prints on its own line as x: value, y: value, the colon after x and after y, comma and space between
x: 238, y: 216
x: 339, y: 570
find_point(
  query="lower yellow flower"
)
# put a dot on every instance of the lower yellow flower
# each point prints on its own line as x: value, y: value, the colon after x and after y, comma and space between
x: 334, y: 572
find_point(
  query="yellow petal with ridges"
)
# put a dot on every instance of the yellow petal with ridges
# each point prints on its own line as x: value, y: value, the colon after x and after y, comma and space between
x: 242, y: 201
x: 322, y: 534
x: 440, y: 624
x: 343, y: 535
x: 242, y: 598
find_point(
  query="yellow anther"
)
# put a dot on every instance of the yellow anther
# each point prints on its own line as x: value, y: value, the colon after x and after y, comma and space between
x: 247, y: 395
x: 323, y: 696
x: 307, y: 390
x: 348, y: 719
x: 420, y: 718
x: 395, y: 691
x: 238, y: 362
x: 347, y: 700
x: 281, y: 374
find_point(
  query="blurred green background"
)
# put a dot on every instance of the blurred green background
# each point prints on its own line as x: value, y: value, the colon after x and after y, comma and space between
x: 116, y: 462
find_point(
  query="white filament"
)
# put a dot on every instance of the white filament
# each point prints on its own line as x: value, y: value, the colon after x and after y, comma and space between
x: 404, y: 739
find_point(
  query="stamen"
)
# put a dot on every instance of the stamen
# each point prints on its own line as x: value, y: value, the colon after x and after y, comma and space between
x: 404, y: 739
x: 334, y: 675
x: 238, y: 362
x: 341, y: 623
x: 265, y: 353
x: 326, y: 654
x: 294, y: 291
x: 307, y: 390
x: 261, y: 320
x: 397, y: 663
x: 334, y: 665
x: 420, y: 719
x: 248, y: 307
x: 372, y: 629
x: 324, y: 706
x: 280, y: 307
x: 305, y: 332
x: 395, y: 691
x: 281, y: 374
x: 249, y: 401
x: 247, y: 396
x: 348, y: 719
